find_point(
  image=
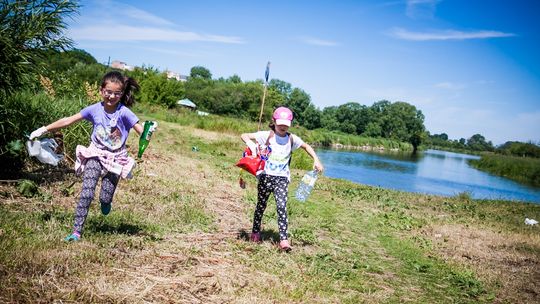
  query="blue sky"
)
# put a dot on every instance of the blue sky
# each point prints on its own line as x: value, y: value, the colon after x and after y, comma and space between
x: 469, y: 66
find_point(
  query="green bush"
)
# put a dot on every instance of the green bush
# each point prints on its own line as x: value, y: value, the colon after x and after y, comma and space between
x: 23, y: 112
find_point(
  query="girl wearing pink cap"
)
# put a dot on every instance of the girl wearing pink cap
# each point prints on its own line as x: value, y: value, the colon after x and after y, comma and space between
x: 275, y: 177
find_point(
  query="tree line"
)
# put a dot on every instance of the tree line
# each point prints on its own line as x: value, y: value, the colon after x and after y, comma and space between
x: 38, y: 59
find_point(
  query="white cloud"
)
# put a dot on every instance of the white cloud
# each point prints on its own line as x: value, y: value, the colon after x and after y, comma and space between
x: 114, y: 21
x: 449, y: 86
x: 135, y: 13
x: 318, y: 42
x: 135, y: 33
x: 115, y: 11
x: 416, y: 9
x: 446, y: 35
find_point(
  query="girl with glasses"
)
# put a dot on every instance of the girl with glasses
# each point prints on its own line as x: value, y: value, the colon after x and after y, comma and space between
x: 106, y: 157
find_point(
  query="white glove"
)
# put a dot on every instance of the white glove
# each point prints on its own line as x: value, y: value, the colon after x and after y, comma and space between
x: 153, y: 128
x: 252, y: 146
x: 37, y: 133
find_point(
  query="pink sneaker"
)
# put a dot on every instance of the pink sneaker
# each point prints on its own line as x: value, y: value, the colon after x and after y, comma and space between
x: 255, y: 237
x: 284, y: 245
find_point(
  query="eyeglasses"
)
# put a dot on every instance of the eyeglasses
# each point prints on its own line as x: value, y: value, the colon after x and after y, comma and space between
x: 109, y: 93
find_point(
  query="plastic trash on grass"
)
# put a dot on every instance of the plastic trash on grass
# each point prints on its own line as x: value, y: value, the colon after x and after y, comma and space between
x: 44, y: 150
x: 531, y: 222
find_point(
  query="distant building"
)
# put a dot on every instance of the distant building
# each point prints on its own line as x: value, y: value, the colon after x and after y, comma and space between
x: 121, y: 65
x: 177, y: 76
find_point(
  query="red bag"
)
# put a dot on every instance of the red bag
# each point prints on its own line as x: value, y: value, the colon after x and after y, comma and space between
x: 251, y: 163
x: 255, y: 163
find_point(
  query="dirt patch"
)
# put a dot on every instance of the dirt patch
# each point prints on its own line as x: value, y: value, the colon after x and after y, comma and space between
x: 513, y: 263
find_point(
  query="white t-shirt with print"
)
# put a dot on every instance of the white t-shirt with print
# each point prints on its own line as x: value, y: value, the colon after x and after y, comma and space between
x: 278, y: 161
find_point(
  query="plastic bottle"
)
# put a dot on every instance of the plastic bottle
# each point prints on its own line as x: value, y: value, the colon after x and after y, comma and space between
x: 306, y: 185
x: 144, y: 140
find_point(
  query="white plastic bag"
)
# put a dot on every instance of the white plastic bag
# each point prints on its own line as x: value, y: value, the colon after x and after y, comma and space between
x: 531, y: 222
x: 43, y: 150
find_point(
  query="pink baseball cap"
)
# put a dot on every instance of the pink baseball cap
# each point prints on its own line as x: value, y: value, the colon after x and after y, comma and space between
x: 283, y: 116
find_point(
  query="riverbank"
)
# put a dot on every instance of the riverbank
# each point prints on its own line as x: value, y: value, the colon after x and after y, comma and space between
x: 316, y: 138
x: 178, y: 233
x: 521, y: 169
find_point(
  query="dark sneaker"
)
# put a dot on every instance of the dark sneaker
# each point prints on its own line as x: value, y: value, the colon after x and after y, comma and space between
x: 105, y: 208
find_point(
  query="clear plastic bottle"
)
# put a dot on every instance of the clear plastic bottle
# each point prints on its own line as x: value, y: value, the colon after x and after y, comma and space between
x: 306, y: 185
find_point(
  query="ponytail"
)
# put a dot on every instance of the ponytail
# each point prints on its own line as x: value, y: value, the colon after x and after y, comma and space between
x: 130, y: 87
x: 272, y: 125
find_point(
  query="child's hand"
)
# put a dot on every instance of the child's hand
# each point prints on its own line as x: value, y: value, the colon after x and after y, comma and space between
x: 252, y: 146
x: 37, y: 133
x: 318, y: 166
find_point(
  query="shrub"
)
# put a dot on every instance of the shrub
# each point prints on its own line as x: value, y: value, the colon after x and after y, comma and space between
x: 23, y: 112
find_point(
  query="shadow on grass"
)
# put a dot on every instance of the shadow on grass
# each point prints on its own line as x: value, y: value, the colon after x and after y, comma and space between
x: 115, y: 228
x: 49, y: 174
x: 268, y: 235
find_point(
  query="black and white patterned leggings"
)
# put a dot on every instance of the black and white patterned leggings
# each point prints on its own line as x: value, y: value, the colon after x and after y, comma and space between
x: 91, y: 174
x: 279, y: 185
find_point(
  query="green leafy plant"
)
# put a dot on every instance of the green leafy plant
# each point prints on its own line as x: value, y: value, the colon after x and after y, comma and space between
x: 27, y: 188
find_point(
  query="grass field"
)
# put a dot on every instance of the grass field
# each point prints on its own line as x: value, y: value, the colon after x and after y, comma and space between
x: 178, y: 233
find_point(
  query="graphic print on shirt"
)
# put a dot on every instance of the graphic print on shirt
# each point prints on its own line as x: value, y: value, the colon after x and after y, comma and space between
x: 278, y: 161
x: 108, y: 133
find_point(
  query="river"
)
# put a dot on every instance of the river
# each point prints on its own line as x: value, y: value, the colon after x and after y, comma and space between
x: 432, y: 171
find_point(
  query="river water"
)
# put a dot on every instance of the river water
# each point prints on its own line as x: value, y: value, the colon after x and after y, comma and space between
x: 432, y: 171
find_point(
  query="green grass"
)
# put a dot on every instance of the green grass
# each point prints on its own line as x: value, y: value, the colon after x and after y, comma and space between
x: 521, y: 169
x: 177, y: 232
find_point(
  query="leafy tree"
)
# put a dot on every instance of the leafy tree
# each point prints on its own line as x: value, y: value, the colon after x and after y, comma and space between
x: 61, y: 61
x: 352, y: 113
x: 200, y: 72
x: 401, y: 121
x: 373, y: 129
x: 380, y: 107
x: 519, y: 149
x: 28, y: 29
x: 442, y: 136
x: 282, y: 87
x: 328, y: 118
x: 298, y: 102
x: 234, y: 79
x: 157, y: 89
x: 478, y: 142
x: 312, y: 117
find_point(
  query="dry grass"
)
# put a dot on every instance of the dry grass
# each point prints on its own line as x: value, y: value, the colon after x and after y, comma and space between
x: 166, y: 256
x: 509, y: 259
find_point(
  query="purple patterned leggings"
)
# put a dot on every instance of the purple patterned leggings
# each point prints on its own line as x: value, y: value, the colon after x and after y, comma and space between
x: 91, y: 174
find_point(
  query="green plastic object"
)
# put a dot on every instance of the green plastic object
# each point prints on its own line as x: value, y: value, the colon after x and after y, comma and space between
x: 144, y: 140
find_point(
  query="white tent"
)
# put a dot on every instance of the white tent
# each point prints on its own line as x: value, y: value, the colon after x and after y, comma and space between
x: 186, y: 103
